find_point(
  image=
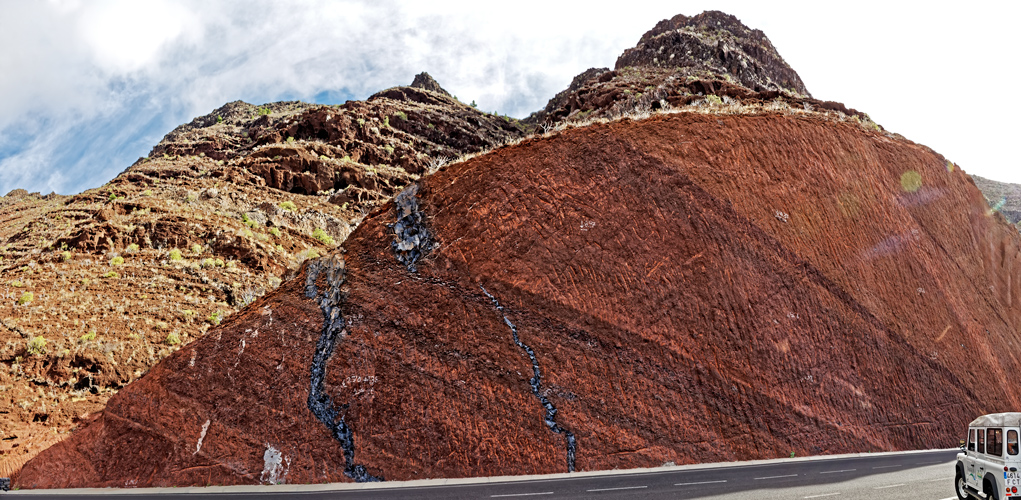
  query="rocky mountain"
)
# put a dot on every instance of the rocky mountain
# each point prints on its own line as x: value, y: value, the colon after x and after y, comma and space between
x: 101, y: 285
x: 683, y: 264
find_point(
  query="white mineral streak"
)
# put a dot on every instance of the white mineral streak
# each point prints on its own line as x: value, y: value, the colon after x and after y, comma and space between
x: 274, y: 471
x: 205, y: 427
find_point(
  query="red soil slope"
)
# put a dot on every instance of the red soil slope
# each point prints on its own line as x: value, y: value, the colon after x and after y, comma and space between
x: 688, y: 288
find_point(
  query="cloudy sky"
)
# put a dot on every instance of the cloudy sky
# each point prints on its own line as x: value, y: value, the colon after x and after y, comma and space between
x: 86, y: 87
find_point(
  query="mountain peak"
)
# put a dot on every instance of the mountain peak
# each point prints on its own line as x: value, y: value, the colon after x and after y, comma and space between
x: 424, y: 81
x: 718, y: 44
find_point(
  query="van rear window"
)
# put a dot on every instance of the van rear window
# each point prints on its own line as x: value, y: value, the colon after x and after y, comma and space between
x: 981, y: 441
x: 1012, y: 442
x: 994, y: 442
x: 971, y: 439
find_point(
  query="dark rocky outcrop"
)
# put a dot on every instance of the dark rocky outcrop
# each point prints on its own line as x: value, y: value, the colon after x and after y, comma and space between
x: 424, y: 81
x: 714, y: 43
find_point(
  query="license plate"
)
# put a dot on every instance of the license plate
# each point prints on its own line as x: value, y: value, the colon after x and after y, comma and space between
x: 1012, y: 479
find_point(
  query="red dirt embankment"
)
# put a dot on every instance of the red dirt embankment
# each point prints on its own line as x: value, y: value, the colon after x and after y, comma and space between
x: 687, y: 288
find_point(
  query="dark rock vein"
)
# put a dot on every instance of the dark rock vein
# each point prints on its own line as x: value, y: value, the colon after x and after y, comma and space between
x: 412, y: 239
x: 536, y: 383
x: 319, y: 403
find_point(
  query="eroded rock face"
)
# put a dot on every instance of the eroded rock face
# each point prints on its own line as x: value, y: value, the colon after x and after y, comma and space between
x: 686, y: 288
x: 103, y: 284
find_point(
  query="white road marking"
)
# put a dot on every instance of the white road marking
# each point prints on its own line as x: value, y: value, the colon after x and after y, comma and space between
x: 888, y: 486
x: 521, y: 494
x: 836, y: 471
x: 619, y: 488
x: 887, y: 466
x: 823, y: 495
x: 940, y: 479
x: 701, y: 482
x: 777, y: 477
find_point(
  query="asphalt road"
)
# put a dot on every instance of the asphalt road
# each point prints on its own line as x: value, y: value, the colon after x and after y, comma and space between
x: 915, y: 476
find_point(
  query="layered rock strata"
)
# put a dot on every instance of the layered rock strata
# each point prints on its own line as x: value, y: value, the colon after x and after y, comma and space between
x: 694, y: 288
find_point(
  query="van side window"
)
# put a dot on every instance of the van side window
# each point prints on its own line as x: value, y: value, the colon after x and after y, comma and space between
x: 1012, y: 442
x: 994, y: 442
x: 981, y: 440
x: 971, y: 439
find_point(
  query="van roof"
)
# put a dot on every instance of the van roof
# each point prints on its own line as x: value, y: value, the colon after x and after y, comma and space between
x: 1012, y: 419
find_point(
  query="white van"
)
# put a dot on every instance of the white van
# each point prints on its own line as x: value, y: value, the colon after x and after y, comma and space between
x: 988, y: 465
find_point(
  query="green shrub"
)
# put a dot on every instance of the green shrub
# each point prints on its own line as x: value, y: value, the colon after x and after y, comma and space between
x: 218, y: 263
x: 215, y: 317
x: 117, y: 261
x: 386, y: 121
x: 65, y: 256
x: 208, y: 262
x: 264, y: 111
x: 290, y: 140
x: 402, y: 115
x: 112, y: 274
x: 288, y: 205
x: 196, y: 249
x: 713, y: 100
x: 219, y: 119
x: 88, y: 337
x: 173, y: 338
x: 187, y: 313
x: 132, y: 248
x: 175, y: 254
x: 389, y: 149
x: 312, y: 254
x: 321, y: 235
x: 26, y: 298
x: 147, y: 192
x: 274, y: 231
x: 37, y: 346
x: 249, y: 222
x: 361, y: 122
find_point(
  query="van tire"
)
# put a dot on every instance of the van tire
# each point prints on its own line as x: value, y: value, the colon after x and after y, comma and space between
x: 961, y: 486
x: 991, y: 490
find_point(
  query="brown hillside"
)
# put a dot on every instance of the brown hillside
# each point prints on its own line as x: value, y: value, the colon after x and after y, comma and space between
x: 691, y: 287
x: 101, y: 285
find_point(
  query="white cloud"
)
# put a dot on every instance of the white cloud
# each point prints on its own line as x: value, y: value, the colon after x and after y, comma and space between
x: 126, y: 35
x: 93, y: 85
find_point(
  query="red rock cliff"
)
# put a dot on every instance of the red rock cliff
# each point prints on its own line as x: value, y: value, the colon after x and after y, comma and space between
x: 684, y: 288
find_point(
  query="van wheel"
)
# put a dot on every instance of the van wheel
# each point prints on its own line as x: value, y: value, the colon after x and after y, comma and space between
x: 962, y: 491
x: 991, y: 491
